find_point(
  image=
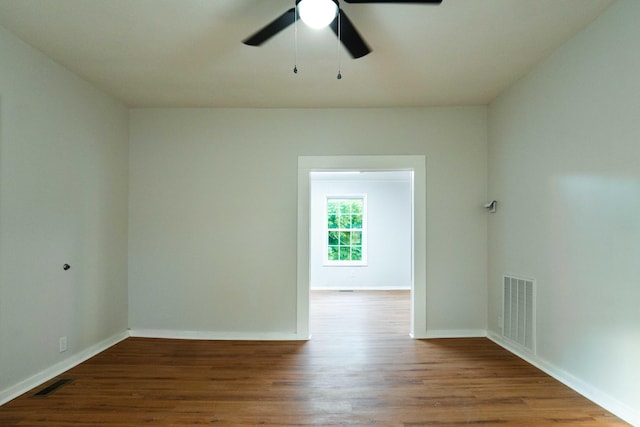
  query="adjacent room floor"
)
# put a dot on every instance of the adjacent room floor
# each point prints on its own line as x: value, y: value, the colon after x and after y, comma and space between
x: 359, y: 369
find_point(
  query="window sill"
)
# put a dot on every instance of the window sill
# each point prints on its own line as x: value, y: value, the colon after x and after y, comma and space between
x: 345, y: 264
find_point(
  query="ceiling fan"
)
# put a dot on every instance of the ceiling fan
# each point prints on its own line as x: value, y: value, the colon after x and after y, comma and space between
x: 333, y: 16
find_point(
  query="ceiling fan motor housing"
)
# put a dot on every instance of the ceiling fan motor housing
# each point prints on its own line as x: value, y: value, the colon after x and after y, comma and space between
x: 317, y: 13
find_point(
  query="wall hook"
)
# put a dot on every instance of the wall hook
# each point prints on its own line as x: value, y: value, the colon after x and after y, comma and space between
x: 66, y: 267
x: 492, y: 206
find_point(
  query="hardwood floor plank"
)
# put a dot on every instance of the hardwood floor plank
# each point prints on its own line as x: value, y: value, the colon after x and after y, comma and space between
x: 359, y: 369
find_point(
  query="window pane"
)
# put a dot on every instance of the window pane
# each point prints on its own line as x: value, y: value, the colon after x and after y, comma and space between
x: 345, y: 238
x: 333, y: 238
x: 344, y: 215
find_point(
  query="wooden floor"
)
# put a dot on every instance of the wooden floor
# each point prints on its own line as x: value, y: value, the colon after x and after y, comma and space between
x: 359, y: 369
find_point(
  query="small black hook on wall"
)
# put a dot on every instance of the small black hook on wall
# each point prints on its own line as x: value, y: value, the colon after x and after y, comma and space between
x: 66, y: 267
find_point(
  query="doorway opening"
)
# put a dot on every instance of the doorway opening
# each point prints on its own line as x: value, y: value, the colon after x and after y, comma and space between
x: 413, y: 166
x: 360, y: 252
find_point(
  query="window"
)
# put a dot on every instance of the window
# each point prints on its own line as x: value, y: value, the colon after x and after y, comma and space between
x: 346, y: 231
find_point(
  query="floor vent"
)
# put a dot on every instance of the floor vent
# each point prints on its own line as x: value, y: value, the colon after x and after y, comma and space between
x: 53, y: 387
x: 519, y: 312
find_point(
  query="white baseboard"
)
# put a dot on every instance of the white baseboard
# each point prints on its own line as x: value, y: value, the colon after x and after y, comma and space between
x: 453, y: 333
x: 609, y: 403
x: 59, y: 368
x: 218, y: 336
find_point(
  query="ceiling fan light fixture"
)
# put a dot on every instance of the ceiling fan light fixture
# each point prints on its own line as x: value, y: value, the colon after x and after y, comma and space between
x: 317, y: 13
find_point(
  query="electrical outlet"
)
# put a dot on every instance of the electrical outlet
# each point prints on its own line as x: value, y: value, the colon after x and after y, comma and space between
x: 63, y: 344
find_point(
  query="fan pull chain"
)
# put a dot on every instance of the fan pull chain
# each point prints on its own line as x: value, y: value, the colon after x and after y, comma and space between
x: 339, y: 76
x: 295, y: 39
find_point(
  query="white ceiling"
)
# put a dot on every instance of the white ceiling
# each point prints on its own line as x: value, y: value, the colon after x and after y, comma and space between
x: 189, y: 53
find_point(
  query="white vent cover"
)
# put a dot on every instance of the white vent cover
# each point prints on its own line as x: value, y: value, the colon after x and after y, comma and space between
x: 519, y: 311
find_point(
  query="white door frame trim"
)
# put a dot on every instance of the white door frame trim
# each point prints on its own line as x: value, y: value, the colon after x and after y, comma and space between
x: 417, y: 164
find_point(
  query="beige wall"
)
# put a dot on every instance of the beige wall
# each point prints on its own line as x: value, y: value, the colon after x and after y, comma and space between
x: 565, y: 167
x: 213, y: 211
x: 63, y: 199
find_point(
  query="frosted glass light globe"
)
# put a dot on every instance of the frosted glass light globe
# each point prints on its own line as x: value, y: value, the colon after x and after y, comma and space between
x: 317, y: 13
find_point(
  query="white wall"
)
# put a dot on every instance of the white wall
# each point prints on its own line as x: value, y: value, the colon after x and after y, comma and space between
x: 63, y: 199
x: 565, y: 168
x: 213, y: 211
x: 388, y: 228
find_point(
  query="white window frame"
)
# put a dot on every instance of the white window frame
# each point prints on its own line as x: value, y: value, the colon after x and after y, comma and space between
x: 325, y: 217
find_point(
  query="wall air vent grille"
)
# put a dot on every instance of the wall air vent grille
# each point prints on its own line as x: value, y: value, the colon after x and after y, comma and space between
x: 519, y: 312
